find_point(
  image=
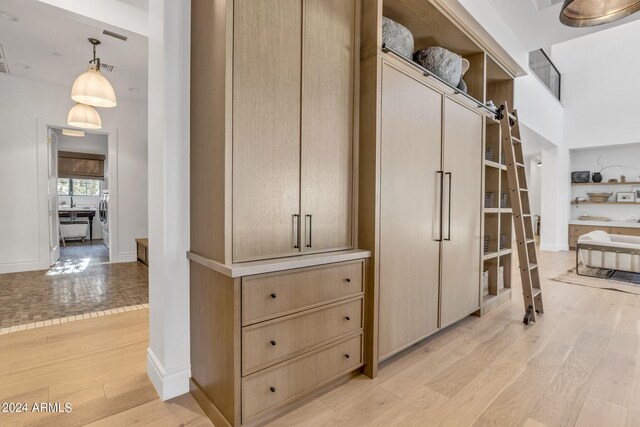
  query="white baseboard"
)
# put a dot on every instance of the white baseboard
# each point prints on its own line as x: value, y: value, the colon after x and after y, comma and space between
x: 126, y: 257
x: 167, y: 384
x: 555, y: 247
x: 20, y: 266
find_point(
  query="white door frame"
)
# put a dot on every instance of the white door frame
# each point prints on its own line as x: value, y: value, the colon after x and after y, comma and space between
x: 43, y: 124
x: 52, y: 196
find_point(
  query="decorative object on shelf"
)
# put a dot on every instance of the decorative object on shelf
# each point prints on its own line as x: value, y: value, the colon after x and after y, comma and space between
x: 485, y: 283
x: 486, y: 243
x: 488, y: 199
x: 580, y: 177
x: 623, y: 178
x: 625, y: 197
x: 587, y: 217
x: 503, y: 241
x: 633, y: 218
x: 501, y: 277
x: 91, y: 87
x: 462, y: 86
x: 441, y: 62
x: 596, y: 177
x: 637, y: 194
x: 490, y: 104
x: 589, y: 13
x: 504, y: 201
x: 488, y: 153
x: 397, y: 37
x: 599, y: 197
x: 613, y: 180
x: 579, y: 200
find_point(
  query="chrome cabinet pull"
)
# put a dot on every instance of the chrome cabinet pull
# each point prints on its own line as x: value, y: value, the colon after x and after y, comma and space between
x: 449, y: 213
x: 310, y: 231
x: 296, y: 231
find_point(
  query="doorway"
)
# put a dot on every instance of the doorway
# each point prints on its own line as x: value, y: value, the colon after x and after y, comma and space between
x: 78, y: 199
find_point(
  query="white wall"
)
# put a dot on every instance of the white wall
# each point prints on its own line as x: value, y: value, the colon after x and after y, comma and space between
x: 600, y: 87
x: 28, y: 104
x: 587, y: 160
x: 168, y: 355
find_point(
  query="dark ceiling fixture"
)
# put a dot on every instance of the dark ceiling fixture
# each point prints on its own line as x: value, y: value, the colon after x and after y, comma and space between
x: 589, y: 13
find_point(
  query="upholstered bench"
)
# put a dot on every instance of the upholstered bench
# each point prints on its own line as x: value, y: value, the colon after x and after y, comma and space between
x: 600, y: 249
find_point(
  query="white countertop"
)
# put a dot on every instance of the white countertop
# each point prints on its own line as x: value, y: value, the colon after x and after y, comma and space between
x: 279, y: 264
x: 606, y: 223
x: 63, y: 208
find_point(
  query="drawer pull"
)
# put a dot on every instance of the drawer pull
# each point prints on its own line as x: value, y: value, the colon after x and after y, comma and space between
x: 274, y: 296
x: 272, y: 389
x: 347, y: 355
x: 273, y: 343
x: 347, y: 318
x: 347, y: 280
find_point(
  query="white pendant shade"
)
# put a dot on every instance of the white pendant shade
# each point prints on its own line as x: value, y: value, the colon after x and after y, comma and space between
x: 92, y: 88
x: 84, y: 117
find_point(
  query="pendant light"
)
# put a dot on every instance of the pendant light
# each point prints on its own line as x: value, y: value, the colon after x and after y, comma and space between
x: 84, y: 117
x: 73, y: 132
x: 589, y: 13
x: 91, y: 87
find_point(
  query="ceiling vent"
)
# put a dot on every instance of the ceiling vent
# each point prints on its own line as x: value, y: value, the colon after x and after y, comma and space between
x: 107, y: 67
x: 4, y: 67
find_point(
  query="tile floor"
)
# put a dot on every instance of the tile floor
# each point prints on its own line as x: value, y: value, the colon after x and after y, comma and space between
x: 71, y: 288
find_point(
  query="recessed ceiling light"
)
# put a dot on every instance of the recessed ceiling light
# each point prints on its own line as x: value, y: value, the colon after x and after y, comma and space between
x: 134, y: 89
x: 8, y: 16
x: 22, y: 65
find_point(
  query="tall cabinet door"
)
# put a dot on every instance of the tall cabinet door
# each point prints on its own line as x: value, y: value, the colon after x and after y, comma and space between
x: 266, y: 127
x: 462, y: 154
x: 327, y: 123
x: 409, y: 211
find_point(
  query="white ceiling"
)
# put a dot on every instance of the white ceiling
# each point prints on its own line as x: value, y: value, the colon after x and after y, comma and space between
x: 537, y: 25
x: 50, y: 44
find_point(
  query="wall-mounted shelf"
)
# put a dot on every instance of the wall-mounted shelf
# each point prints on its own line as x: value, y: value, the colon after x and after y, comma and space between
x: 605, y: 203
x: 607, y: 183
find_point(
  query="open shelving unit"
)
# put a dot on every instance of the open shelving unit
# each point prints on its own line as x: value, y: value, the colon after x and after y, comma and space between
x: 498, y: 222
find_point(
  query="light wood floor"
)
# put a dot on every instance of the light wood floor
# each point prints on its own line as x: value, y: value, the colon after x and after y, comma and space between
x: 577, y: 366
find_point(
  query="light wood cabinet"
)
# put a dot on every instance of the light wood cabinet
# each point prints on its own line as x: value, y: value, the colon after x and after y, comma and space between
x: 430, y: 210
x: 293, y: 108
x: 409, y: 210
x: 266, y: 127
x: 327, y: 124
x: 462, y: 159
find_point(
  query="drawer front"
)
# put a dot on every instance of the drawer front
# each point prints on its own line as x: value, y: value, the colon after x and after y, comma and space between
x: 268, y: 296
x: 266, y: 344
x: 625, y: 231
x: 266, y: 390
x: 579, y: 230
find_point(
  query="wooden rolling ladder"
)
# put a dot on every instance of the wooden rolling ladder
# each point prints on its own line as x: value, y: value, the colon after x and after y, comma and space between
x: 523, y: 222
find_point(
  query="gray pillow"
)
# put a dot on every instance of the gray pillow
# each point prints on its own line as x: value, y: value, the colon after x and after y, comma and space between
x: 441, y: 62
x: 397, y: 37
x: 462, y: 86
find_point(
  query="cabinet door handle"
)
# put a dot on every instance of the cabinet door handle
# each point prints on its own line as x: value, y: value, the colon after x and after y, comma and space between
x: 296, y: 231
x: 274, y: 296
x: 347, y: 355
x: 439, y: 203
x: 273, y: 343
x: 272, y: 389
x: 448, y: 238
x: 347, y: 318
x: 348, y: 280
x: 310, y: 230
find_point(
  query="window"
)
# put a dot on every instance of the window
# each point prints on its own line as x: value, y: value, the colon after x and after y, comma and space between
x: 79, y: 187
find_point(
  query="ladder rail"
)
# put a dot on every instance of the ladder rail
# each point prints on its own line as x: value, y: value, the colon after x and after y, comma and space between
x: 529, y: 274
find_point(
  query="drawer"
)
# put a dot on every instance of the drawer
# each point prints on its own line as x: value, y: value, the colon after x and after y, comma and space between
x: 579, y: 230
x: 625, y: 231
x: 285, y: 382
x: 267, y: 296
x: 268, y: 343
